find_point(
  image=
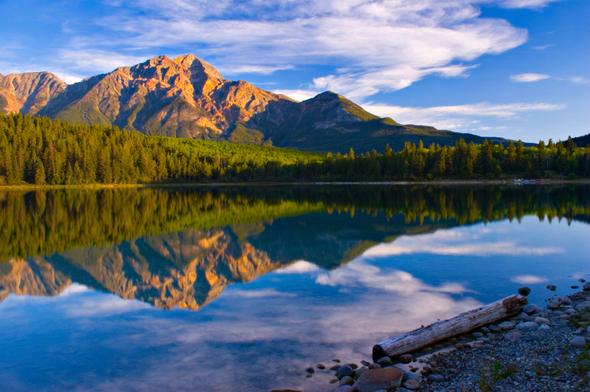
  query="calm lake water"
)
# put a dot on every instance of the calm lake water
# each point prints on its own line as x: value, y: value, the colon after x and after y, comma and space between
x: 224, y: 289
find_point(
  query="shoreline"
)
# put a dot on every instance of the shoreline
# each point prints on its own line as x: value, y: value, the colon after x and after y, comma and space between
x: 513, y: 182
x: 539, y: 349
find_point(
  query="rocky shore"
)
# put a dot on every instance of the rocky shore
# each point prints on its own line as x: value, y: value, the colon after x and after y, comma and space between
x: 540, y: 349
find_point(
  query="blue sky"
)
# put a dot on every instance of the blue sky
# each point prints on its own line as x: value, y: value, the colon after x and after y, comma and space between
x: 515, y: 68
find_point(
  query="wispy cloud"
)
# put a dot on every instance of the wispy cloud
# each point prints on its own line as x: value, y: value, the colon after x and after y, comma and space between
x: 530, y: 77
x: 534, y: 4
x: 459, y: 116
x: 528, y: 279
x: 457, y: 243
x: 385, y: 45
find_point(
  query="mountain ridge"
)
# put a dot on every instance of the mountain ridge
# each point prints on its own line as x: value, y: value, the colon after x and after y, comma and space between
x: 187, y: 97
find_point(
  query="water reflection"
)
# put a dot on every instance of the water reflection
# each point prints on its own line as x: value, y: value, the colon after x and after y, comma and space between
x: 182, y: 248
x: 302, y: 276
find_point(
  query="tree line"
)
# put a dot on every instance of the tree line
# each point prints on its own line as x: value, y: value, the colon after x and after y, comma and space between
x: 41, y: 151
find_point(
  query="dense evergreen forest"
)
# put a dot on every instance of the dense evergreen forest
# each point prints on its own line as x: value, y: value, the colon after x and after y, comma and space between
x: 43, y: 222
x: 37, y: 150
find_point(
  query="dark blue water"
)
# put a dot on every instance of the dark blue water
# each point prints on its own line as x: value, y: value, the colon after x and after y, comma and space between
x: 249, y: 306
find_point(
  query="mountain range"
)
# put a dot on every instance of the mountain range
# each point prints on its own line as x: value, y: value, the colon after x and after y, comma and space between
x: 187, y: 97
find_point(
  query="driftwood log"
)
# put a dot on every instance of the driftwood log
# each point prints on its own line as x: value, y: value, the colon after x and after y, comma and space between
x: 441, y: 330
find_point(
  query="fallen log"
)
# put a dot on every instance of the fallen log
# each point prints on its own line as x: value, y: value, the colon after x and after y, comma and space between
x: 441, y: 330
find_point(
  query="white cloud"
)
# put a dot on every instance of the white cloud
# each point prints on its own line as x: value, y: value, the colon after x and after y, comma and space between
x: 254, y: 69
x: 96, y: 60
x: 385, y: 44
x: 525, y: 3
x: 298, y: 94
x: 298, y: 267
x: 263, y: 293
x: 529, y: 77
x: 460, y: 242
x: 458, y: 116
x: 528, y: 279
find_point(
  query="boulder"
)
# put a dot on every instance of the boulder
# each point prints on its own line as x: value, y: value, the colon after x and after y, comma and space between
x: 375, y: 379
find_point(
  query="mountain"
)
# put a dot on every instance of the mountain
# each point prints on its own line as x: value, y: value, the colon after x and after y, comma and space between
x: 582, y: 141
x: 187, y: 97
x: 28, y: 92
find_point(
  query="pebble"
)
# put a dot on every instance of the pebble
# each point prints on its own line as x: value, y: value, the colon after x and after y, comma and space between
x: 385, y: 361
x: 532, y: 309
x: 346, y: 380
x: 406, y: 358
x: 310, y: 370
x: 551, y: 287
x: 436, y: 377
x: 586, y: 287
x: 344, y: 371
x: 513, y: 336
x: 321, y: 366
x: 542, y: 320
x: 578, y: 341
x: 506, y: 325
x: 575, y: 287
x: 412, y: 384
x: 527, y: 325
x: 544, y: 327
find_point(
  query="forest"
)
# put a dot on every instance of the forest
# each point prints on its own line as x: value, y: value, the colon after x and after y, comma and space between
x: 36, y: 150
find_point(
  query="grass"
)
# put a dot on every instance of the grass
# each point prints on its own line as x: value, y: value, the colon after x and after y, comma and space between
x: 496, y: 372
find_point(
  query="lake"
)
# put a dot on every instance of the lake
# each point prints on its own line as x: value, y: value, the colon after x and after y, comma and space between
x: 242, y: 288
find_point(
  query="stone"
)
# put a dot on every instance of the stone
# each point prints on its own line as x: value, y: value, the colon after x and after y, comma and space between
x: 406, y: 358
x: 551, y: 287
x: 385, y: 361
x: 524, y: 291
x: 321, y: 366
x: 544, y: 327
x: 553, y: 304
x: 566, y: 300
x: 344, y: 371
x: 412, y: 384
x: 513, y: 336
x: 494, y: 328
x: 310, y: 370
x: 527, y: 325
x: 578, y: 341
x: 345, y: 388
x: 542, y: 320
x: 506, y: 325
x: 583, y: 306
x: 531, y: 309
x: 586, y: 287
x: 570, y: 311
x: 435, y: 377
x: 477, y: 335
x: 575, y: 287
x: 374, y: 379
x: 366, y: 363
x: 346, y: 380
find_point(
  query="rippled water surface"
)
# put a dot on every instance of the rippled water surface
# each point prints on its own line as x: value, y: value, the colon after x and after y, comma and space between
x: 243, y: 288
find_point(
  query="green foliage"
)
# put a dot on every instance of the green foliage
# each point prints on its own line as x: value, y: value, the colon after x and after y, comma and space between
x: 41, y: 151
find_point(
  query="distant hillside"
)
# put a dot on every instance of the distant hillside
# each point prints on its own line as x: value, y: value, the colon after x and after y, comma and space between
x: 187, y: 97
x: 582, y: 141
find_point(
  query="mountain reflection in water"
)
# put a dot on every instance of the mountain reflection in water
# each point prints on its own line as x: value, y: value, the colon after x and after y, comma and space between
x: 180, y: 248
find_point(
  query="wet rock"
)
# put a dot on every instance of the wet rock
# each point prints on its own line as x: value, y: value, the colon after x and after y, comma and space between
x: 346, y: 380
x: 385, y: 361
x: 544, y: 327
x: 565, y: 301
x: 525, y: 291
x: 366, y: 363
x: 321, y: 366
x: 506, y: 325
x: 412, y: 384
x: 344, y: 371
x: 435, y: 377
x: 527, y: 325
x: 513, y: 336
x: 542, y: 320
x: 310, y: 370
x: 578, y: 341
x: 406, y: 358
x: 551, y: 287
x: 375, y: 379
x: 553, y: 304
x: 532, y: 309
x: 586, y: 287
